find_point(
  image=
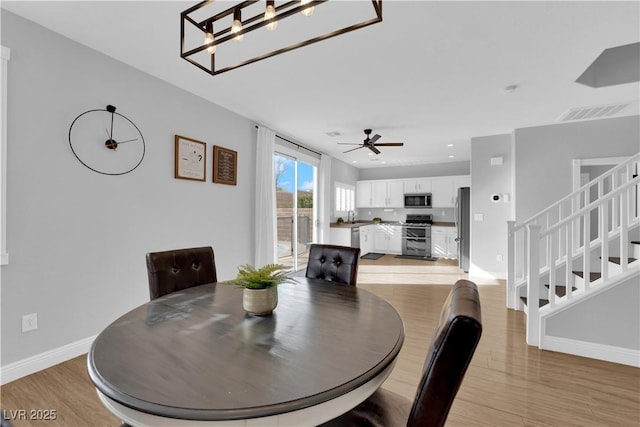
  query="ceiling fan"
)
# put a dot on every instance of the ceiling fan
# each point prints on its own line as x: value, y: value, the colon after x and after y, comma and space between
x: 370, y: 143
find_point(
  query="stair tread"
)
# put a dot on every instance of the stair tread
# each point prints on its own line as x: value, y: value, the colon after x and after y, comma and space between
x: 616, y: 259
x: 592, y: 276
x: 542, y: 302
x: 561, y: 290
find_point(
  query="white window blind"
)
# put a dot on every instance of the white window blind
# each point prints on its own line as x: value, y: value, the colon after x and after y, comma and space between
x: 345, y: 198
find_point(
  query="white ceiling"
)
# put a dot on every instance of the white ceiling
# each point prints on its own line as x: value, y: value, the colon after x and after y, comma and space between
x: 431, y: 74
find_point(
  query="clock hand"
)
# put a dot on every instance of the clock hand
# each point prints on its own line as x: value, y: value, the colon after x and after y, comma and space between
x: 112, y: 110
x: 112, y: 144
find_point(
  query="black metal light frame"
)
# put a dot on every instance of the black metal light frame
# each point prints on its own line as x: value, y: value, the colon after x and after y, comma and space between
x: 283, y: 11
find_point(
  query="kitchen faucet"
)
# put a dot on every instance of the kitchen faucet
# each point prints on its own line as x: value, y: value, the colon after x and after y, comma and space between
x: 351, y: 217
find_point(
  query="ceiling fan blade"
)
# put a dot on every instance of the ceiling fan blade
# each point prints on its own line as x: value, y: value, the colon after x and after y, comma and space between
x: 390, y: 144
x: 374, y: 139
x: 353, y: 149
x: 374, y: 149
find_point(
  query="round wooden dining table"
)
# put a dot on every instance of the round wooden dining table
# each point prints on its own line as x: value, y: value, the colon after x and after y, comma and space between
x: 195, y: 358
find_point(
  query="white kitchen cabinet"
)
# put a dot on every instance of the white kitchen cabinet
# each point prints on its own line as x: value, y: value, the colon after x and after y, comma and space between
x: 396, y: 195
x: 442, y: 195
x: 443, y: 242
x: 340, y: 236
x: 387, y: 239
x: 387, y: 194
x: 364, y: 194
x: 461, y: 181
x: 444, y: 189
x: 366, y: 239
x: 417, y: 185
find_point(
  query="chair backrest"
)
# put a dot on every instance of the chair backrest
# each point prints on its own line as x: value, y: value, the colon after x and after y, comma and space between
x: 449, y: 356
x: 333, y: 263
x: 178, y: 269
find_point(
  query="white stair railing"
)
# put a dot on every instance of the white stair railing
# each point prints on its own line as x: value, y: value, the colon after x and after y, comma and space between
x: 615, y: 213
x: 571, y: 238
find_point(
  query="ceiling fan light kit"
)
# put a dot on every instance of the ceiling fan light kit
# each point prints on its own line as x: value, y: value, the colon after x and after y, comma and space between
x: 206, y: 28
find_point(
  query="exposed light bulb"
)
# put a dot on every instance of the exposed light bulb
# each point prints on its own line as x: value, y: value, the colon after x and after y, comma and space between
x: 270, y: 12
x: 308, y: 11
x: 237, y: 25
x: 208, y: 38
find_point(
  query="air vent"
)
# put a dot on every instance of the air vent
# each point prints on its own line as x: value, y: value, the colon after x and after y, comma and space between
x: 333, y: 134
x: 593, y: 112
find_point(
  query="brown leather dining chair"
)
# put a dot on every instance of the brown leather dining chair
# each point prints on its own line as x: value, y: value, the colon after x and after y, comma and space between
x: 449, y: 355
x: 178, y: 269
x: 333, y: 263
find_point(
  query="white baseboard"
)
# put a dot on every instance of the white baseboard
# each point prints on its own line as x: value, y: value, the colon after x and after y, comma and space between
x: 30, y: 365
x: 624, y: 356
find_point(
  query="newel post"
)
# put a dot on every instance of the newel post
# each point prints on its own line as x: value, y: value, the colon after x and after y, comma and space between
x: 511, y: 265
x: 533, y: 286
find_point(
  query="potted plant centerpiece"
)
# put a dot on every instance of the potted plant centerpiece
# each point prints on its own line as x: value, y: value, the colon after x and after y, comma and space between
x: 260, y: 294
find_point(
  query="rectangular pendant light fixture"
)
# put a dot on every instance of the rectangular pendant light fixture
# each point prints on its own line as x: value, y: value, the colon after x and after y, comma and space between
x: 218, y: 36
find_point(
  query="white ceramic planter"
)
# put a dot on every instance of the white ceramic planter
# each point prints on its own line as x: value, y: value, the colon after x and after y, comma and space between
x: 260, y: 302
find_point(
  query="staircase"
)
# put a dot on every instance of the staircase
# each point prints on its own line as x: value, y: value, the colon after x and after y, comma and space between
x: 592, y: 233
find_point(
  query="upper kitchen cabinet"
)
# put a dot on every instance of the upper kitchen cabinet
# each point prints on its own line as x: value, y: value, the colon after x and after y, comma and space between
x: 388, y: 194
x: 461, y: 181
x: 442, y: 195
x: 364, y: 194
x: 444, y: 189
x: 417, y: 185
x: 379, y: 194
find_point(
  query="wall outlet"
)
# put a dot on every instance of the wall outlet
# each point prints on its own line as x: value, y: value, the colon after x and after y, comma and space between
x: 29, y: 322
x: 499, y: 258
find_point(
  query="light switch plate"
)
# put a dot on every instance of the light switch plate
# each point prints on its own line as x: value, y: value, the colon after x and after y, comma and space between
x: 478, y: 217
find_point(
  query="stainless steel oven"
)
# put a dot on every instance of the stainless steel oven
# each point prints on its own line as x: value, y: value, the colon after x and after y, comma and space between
x: 416, y: 236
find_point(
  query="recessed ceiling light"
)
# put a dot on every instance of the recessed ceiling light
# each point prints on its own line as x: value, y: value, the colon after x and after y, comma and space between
x: 449, y: 145
x: 354, y: 161
x: 371, y: 154
x: 451, y: 156
x: 383, y: 162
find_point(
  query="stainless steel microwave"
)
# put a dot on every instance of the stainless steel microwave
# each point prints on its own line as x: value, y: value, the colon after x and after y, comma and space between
x: 421, y: 200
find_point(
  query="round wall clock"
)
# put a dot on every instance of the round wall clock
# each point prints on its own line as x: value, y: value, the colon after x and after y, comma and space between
x: 106, y: 141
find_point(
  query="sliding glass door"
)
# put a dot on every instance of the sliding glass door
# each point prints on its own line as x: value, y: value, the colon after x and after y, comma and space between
x: 296, y: 184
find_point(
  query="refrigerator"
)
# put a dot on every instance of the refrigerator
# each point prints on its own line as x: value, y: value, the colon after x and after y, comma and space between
x: 463, y: 223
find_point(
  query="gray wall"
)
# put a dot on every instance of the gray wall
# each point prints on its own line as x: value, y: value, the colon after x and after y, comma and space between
x: 487, y: 180
x: 612, y: 318
x: 414, y: 171
x: 543, y: 157
x: 76, y: 239
x: 344, y: 173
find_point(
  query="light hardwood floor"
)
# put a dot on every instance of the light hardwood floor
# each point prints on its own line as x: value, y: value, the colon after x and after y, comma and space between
x: 507, y: 384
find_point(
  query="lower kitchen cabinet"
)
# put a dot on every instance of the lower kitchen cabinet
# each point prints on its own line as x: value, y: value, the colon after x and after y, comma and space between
x: 443, y: 242
x: 366, y: 239
x: 387, y: 239
x: 340, y: 236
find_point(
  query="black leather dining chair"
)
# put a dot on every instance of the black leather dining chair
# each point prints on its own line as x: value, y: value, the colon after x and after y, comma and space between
x: 333, y: 263
x: 449, y: 355
x: 178, y: 269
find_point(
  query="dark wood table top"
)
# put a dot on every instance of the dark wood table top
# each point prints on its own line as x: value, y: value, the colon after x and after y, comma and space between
x: 195, y: 354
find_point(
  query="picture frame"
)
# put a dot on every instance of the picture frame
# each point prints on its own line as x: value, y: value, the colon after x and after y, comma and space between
x: 190, y: 159
x: 225, y: 166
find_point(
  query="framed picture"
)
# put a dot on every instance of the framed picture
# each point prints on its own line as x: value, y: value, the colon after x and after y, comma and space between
x: 225, y: 165
x: 190, y: 159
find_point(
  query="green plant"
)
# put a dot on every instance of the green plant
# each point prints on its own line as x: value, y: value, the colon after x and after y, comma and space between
x: 264, y: 277
x: 339, y: 220
x: 377, y: 219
